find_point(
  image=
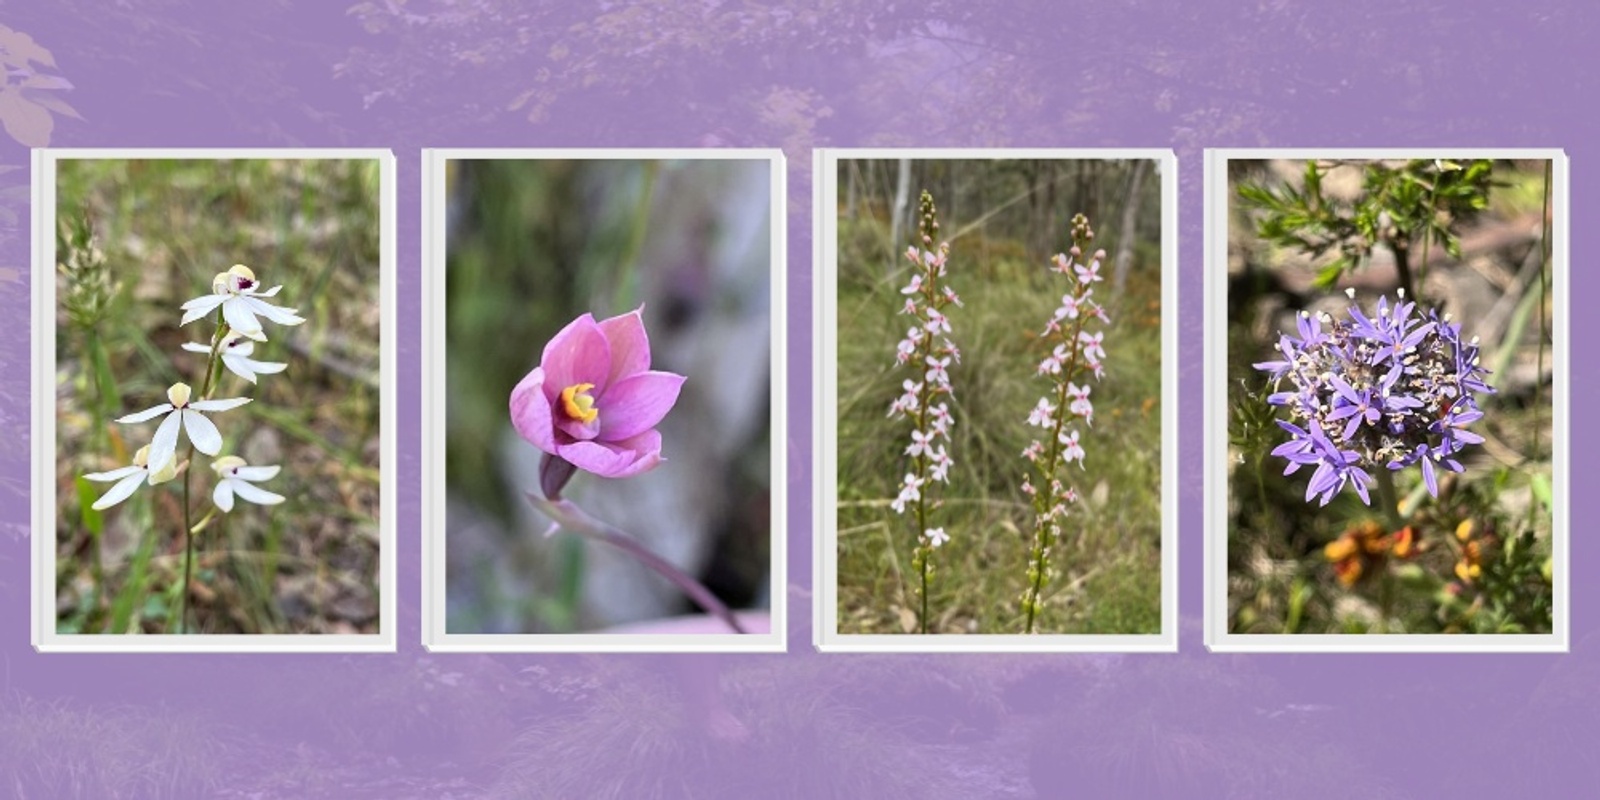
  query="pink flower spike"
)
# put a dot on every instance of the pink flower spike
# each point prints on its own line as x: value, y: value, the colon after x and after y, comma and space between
x: 593, y: 401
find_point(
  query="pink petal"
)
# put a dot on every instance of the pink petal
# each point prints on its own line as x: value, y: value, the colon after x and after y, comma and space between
x: 578, y: 354
x: 630, y: 345
x: 574, y: 428
x: 530, y: 411
x: 636, y: 404
x: 619, y: 459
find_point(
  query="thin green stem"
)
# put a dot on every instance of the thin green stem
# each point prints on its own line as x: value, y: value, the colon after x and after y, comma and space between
x: 1043, y: 503
x: 569, y: 516
x: 189, y: 526
x: 1389, y: 499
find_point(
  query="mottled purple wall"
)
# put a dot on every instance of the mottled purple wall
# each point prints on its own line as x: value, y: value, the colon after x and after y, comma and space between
x: 952, y: 74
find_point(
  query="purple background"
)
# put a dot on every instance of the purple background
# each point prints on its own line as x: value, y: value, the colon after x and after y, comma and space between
x: 1185, y: 75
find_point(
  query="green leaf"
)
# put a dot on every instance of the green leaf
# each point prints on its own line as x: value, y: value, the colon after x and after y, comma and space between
x: 1330, y: 274
x: 1541, y: 490
x: 134, y: 591
x: 93, y: 521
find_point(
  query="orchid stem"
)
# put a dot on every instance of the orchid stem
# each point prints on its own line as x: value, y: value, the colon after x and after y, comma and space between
x: 568, y: 515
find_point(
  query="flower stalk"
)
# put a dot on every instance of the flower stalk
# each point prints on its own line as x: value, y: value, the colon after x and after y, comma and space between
x: 1075, y: 353
x: 928, y: 350
x: 237, y: 300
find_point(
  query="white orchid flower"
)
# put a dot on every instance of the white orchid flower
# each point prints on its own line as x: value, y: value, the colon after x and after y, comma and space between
x: 238, y: 478
x: 238, y: 294
x: 128, y: 478
x: 236, y: 352
x: 183, y: 413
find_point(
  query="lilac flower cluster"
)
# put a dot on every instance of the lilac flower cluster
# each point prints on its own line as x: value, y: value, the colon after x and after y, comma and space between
x: 1076, y: 352
x: 1376, y: 393
x: 927, y: 347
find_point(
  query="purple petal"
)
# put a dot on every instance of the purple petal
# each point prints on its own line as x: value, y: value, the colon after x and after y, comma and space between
x: 620, y: 459
x: 530, y: 411
x: 1351, y: 428
x: 1428, y: 476
x: 1341, y: 412
x: 630, y: 345
x: 577, y: 429
x: 578, y: 354
x: 1346, y: 391
x: 1360, y: 478
x: 636, y: 404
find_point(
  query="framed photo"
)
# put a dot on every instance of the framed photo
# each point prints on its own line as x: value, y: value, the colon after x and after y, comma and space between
x: 604, y: 416
x: 213, y: 429
x: 996, y: 387
x: 1386, y: 400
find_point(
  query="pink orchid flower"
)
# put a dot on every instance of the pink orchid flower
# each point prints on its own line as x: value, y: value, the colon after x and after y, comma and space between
x: 593, y: 402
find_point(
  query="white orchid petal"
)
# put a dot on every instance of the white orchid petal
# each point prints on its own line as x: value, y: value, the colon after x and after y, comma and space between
x: 257, y: 473
x: 165, y: 444
x: 269, y: 292
x: 202, y: 433
x: 223, y: 495
x: 255, y: 494
x: 204, y: 303
x: 196, y: 347
x: 238, y: 366
x: 114, y: 475
x: 282, y: 316
x: 118, y: 493
x: 147, y: 414
x: 239, y: 317
x: 219, y: 405
x: 266, y: 367
x: 201, y: 311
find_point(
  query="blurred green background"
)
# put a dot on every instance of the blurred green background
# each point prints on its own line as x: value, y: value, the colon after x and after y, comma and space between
x: 1004, y: 220
x: 533, y: 244
x: 136, y: 238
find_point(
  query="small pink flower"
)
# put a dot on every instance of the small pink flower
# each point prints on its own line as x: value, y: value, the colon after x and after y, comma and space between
x: 1068, y: 309
x: 1080, y: 401
x: 1040, y: 416
x: 951, y: 350
x: 1088, y: 274
x: 1091, y: 344
x: 920, y: 443
x: 915, y: 285
x: 1073, y: 451
x: 593, y: 401
x: 942, y: 462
